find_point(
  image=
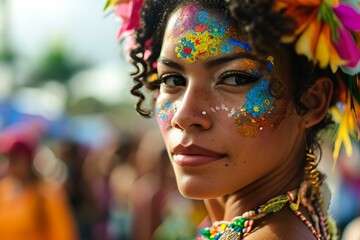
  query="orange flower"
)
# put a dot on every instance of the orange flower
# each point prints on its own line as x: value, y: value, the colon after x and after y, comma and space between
x: 313, y: 34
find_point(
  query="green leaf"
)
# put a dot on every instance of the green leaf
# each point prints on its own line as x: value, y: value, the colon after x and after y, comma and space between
x: 107, y: 5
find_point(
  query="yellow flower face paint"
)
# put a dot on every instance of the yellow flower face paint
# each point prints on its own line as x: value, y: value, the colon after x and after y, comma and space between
x: 199, y: 34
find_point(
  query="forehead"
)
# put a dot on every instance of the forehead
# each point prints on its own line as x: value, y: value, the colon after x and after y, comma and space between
x: 196, y: 18
x: 198, y: 33
x: 210, y: 31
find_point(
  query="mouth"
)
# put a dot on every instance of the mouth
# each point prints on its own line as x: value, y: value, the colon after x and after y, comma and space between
x: 194, y: 156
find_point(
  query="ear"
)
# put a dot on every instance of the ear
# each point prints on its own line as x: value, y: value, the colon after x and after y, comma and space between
x: 317, y: 98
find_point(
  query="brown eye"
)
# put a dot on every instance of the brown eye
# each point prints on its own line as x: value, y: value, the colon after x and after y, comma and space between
x: 172, y: 80
x: 237, y: 79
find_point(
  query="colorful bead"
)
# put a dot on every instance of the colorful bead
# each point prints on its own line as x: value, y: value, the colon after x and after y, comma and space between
x: 242, y: 226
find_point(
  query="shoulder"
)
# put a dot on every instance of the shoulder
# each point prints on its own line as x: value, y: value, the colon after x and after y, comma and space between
x: 283, y: 225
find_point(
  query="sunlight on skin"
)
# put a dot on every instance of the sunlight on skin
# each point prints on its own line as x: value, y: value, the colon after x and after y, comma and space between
x: 198, y: 35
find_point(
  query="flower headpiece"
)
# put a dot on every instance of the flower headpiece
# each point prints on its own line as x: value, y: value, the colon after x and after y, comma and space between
x: 327, y: 33
x: 128, y: 11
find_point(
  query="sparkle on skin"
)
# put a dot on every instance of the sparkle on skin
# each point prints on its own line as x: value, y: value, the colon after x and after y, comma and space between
x: 259, y: 110
x: 199, y: 35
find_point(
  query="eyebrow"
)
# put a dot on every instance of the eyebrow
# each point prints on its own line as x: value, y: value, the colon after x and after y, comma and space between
x: 228, y: 58
x: 171, y: 64
x: 211, y: 63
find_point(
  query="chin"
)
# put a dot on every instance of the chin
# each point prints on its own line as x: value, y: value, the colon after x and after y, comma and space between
x: 195, y: 188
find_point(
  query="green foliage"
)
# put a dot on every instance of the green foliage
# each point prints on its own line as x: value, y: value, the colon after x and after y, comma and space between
x: 7, y: 55
x: 56, y: 65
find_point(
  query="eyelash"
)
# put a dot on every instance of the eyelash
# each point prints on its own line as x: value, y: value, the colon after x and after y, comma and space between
x: 245, y: 78
x: 166, y: 77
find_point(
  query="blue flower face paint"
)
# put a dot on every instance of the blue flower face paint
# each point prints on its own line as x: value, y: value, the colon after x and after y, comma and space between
x: 164, y: 114
x: 199, y: 34
x: 259, y: 111
x: 258, y: 99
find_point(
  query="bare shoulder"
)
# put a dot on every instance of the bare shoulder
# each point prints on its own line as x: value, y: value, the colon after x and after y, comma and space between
x: 283, y: 225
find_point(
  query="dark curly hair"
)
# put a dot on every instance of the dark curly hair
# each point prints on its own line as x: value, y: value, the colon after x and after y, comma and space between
x: 254, y: 18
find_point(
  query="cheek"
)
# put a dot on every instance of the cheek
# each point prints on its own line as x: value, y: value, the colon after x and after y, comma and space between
x: 164, y: 113
x: 261, y: 111
x: 225, y: 112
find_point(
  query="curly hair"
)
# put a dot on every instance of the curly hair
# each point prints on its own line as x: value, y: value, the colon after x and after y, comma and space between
x: 256, y: 20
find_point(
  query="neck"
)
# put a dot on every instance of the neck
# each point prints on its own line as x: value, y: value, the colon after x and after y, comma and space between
x: 282, y: 179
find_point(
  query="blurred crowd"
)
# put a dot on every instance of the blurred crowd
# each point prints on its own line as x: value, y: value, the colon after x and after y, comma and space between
x: 118, y: 190
x: 68, y: 174
x: 121, y: 189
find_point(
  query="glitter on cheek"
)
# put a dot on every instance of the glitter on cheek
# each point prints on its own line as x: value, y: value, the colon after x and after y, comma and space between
x: 258, y: 99
x: 164, y: 114
x: 260, y: 111
x: 270, y: 64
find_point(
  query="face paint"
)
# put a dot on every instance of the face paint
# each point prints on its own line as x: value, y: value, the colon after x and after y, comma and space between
x: 199, y: 34
x: 259, y: 111
x: 270, y: 64
x: 164, y: 113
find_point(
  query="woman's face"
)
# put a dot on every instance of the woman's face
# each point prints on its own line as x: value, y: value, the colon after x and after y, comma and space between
x: 222, y: 128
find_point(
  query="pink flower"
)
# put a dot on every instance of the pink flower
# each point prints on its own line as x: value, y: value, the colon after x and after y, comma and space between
x: 347, y: 48
x: 129, y: 13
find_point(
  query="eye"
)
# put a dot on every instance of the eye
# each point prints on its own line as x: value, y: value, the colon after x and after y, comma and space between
x: 172, y: 80
x: 237, y: 79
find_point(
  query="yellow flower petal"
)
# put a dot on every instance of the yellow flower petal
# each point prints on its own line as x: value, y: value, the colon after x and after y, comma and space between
x: 322, y: 51
x: 307, y: 41
x: 347, y: 126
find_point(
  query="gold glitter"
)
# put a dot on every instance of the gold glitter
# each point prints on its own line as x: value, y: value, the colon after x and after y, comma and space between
x: 247, y: 126
x: 153, y: 77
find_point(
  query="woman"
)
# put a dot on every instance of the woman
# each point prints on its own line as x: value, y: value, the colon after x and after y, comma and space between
x: 31, y: 207
x: 241, y: 90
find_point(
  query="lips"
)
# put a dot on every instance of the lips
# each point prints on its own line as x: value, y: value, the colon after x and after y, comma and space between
x: 193, y: 155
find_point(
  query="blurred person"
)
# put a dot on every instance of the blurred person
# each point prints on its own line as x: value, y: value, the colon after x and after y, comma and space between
x: 4, y: 165
x: 31, y: 208
x: 344, y: 182
x: 98, y: 166
x: 77, y: 188
x: 346, y: 204
x: 145, y: 187
x: 121, y: 214
x: 121, y: 180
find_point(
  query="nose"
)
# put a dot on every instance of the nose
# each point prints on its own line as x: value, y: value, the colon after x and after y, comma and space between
x: 191, y: 111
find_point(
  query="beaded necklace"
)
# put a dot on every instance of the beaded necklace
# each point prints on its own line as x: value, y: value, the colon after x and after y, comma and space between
x: 310, y: 195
